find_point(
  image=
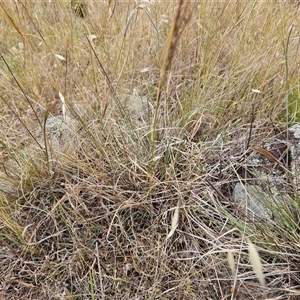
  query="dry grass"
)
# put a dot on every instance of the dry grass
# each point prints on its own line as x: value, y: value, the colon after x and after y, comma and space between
x: 138, y: 205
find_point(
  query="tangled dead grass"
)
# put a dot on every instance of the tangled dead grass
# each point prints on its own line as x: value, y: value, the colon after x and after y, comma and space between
x: 139, y: 205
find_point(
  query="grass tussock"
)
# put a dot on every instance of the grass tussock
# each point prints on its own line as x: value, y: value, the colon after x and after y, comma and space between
x: 158, y: 102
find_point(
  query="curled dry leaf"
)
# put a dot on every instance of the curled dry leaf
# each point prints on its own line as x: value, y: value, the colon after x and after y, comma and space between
x: 255, y: 262
x: 92, y: 37
x: 265, y: 153
x: 256, y: 91
x: 174, y: 222
x: 231, y: 263
x: 144, y: 70
x: 60, y: 57
x: 63, y: 105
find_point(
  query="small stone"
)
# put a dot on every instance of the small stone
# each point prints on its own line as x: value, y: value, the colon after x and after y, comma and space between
x: 59, y: 133
x: 247, y: 200
x: 267, y: 179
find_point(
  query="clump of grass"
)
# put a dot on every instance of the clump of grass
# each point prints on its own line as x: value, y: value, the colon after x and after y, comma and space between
x: 139, y: 204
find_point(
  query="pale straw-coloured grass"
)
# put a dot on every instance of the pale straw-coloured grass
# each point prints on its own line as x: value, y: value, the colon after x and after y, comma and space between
x: 168, y: 98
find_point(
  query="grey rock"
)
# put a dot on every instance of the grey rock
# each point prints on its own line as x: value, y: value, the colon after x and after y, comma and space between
x: 294, y: 144
x: 255, y: 201
x: 59, y: 133
x: 249, y: 200
x: 270, y: 182
x: 60, y: 137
